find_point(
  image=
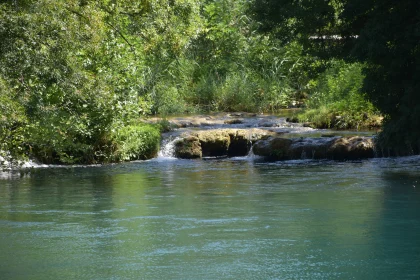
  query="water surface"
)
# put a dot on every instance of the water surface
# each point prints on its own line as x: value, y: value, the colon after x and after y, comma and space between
x: 213, y: 219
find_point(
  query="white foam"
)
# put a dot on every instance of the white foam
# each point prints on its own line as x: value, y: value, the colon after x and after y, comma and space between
x: 167, y: 150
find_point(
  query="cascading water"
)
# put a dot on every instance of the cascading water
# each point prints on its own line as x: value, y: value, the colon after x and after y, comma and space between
x: 213, y: 139
x: 167, y: 150
x: 251, y: 154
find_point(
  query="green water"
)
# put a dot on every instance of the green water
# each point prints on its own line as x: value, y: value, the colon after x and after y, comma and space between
x: 213, y: 219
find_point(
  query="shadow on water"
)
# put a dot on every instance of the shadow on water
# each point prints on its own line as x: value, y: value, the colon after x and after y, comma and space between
x: 397, y: 245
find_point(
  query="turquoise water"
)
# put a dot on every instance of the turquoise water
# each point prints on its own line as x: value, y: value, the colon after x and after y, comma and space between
x: 213, y: 219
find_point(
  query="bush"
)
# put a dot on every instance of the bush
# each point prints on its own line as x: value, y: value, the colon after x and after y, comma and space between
x: 12, y: 122
x: 135, y: 142
x: 237, y: 93
x: 58, y: 138
x: 336, y: 100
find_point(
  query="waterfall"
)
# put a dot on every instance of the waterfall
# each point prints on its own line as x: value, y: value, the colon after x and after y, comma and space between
x: 250, y: 137
x: 167, y: 149
x: 251, y: 154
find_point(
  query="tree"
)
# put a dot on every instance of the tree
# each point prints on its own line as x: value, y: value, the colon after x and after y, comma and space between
x: 71, y: 70
x: 384, y: 35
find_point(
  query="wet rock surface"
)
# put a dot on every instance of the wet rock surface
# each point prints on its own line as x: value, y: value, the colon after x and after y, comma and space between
x: 8, y: 163
x: 217, y: 142
x: 230, y: 120
x: 188, y: 148
x: 214, y: 143
x: 273, y: 148
x: 336, y: 148
x: 352, y: 148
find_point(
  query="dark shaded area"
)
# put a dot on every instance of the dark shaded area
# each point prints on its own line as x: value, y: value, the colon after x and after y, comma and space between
x: 382, y: 34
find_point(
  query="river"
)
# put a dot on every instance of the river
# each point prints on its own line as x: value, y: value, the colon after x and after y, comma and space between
x: 235, y: 218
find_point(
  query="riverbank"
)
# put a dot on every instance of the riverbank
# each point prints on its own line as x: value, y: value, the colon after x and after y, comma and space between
x: 222, y: 134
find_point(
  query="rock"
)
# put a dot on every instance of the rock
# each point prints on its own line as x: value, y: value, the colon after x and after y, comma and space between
x: 237, y: 142
x: 240, y: 142
x: 267, y: 124
x: 292, y: 120
x: 183, y: 124
x: 218, y: 142
x: 214, y: 143
x: 234, y: 121
x: 337, y: 148
x: 355, y: 147
x: 310, y: 148
x: 273, y: 148
x: 188, y: 148
x: 309, y: 124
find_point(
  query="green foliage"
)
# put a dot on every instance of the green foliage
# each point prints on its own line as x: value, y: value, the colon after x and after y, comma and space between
x: 73, y: 76
x: 77, y: 75
x: 239, y: 69
x: 383, y: 36
x: 163, y: 33
x: 164, y: 125
x: 336, y: 99
x: 12, y: 122
x: 135, y: 142
x: 392, y: 33
x: 236, y: 94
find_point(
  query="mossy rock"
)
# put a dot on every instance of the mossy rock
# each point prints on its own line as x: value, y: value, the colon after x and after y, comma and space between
x: 240, y: 143
x: 337, y: 148
x: 188, y: 148
x: 273, y: 148
x: 310, y: 148
x: 218, y: 142
x: 355, y: 147
x: 214, y: 143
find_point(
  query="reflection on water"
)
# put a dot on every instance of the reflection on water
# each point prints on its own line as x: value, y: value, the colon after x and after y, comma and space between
x: 215, y: 219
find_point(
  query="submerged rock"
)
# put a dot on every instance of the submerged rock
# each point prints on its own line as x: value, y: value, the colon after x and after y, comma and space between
x: 267, y: 124
x: 8, y: 163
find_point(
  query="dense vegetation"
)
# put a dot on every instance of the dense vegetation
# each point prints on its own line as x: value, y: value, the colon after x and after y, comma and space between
x: 383, y: 35
x: 77, y: 76
x: 337, y: 102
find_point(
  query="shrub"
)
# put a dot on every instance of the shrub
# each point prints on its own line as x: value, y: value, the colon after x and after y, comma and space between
x: 134, y: 142
x: 12, y: 122
x: 236, y: 94
x: 336, y: 100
